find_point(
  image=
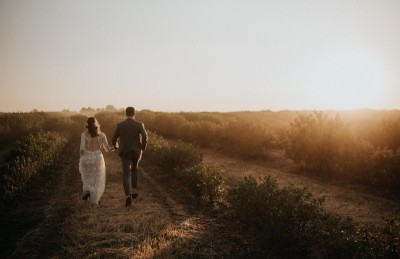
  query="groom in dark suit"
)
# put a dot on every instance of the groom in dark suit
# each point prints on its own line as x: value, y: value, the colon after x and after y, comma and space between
x: 132, y: 141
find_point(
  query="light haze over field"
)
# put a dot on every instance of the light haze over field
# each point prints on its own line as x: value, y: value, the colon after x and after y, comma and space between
x: 199, y: 55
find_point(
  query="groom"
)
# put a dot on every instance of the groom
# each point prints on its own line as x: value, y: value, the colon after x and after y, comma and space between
x: 132, y: 141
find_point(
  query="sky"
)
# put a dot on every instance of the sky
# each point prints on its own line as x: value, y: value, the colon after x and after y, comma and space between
x: 209, y: 55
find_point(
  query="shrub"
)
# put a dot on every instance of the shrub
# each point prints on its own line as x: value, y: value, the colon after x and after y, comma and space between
x: 316, y: 142
x: 388, y: 240
x: 355, y: 163
x: 184, y: 162
x: 206, y: 182
x: 284, y: 218
x: 15, y: 125
x: 386, y: 133
x: 176, y: 155
x: 246, y: 139
x: 385, y: 167
x: 30, y: 155
x: 108, y: 122
x: 239, y: 133
x: 291, y: 222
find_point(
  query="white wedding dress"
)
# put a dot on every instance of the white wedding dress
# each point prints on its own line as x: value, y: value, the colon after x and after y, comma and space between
x: 92, y: 166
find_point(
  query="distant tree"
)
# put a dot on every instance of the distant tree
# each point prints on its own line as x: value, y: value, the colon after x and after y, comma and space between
x: 87, y: 111
x: 111, y: 108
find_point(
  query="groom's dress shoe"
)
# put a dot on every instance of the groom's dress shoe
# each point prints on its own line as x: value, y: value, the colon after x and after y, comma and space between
x: 134, y: 195
x: 128, y: 202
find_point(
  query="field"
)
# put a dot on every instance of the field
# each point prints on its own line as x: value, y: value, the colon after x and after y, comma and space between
x: 212, y: 185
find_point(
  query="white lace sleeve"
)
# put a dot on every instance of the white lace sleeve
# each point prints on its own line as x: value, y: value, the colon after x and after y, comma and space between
x: 83, y: 144
x: 104, y: 143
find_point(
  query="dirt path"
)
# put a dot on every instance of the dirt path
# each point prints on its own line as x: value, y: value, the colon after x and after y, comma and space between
x: 162, y: 223
x: 346, y: 200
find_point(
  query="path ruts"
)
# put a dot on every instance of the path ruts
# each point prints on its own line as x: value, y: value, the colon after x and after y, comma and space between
x: 163, y: 222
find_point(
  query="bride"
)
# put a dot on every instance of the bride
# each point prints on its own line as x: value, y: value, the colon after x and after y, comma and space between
x: 91, y: 162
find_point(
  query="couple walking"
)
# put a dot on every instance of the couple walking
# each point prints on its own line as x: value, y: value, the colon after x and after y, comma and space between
x: 132, y: 138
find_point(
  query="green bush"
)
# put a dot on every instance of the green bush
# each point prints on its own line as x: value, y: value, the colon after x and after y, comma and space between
x: 184, y: 162
x: 388, y: 240
x: 30, y: 155
x: 246, y: 139
x: 108, y: 122
x: 327, y: 146
x: 206, y: 182
x: 176, y: 155
x: 317, y: 142
x: 284, y: 218
x: 248, y: 134
x: 385, y: 167
x: 385, y: 134
x: 293, y: 224
x: 16, y: 125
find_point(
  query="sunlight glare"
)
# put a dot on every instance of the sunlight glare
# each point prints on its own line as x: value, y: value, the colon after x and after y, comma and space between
x: 348, y: 80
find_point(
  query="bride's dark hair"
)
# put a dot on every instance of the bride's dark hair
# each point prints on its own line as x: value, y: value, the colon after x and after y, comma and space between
x: 93, y: 127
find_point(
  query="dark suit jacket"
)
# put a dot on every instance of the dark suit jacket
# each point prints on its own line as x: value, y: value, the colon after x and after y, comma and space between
x: 132, y: 136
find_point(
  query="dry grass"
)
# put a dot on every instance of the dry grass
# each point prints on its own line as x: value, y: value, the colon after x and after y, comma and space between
x: 110, y: 229
x: 162, y: 223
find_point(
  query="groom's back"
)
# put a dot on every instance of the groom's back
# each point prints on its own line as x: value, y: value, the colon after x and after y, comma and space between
x: 129, y: 134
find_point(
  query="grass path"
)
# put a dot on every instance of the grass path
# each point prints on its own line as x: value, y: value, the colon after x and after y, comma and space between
x: 163, y: 222
x: 52, y: 221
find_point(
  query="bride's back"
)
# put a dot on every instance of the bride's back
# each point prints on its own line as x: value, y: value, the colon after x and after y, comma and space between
x: 93, y: 143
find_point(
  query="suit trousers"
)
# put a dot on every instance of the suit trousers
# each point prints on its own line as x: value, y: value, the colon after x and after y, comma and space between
x: 130, y: 163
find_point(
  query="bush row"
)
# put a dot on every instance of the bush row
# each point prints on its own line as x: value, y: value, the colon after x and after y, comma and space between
x: 363, y: 147
x: 246, y: 134
x: 292, y: 223
x: 287, y: 220
x: 329, y: 146
x: 16, y: 125
x: 184, y: 161
x: 30, y: 154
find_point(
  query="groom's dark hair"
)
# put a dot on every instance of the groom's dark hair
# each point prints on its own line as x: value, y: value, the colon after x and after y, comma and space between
x: 130, y: 111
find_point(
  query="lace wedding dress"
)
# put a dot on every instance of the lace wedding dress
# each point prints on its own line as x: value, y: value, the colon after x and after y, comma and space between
x: 92, y: 166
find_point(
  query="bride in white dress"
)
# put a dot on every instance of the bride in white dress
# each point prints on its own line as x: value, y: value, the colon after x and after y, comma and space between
x: 91, y: 163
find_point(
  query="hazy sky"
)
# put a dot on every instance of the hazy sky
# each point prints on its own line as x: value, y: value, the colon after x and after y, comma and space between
x: 220, y: 55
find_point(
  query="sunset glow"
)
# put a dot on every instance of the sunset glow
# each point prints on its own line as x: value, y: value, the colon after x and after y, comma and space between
x: 349, y: 81
x: 199, y: 56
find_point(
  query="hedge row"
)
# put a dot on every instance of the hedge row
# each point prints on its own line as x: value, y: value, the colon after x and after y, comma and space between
x: 247, y: 134
x: 13, y: 126
x: 30, y: 154
x: 293, y: 224
x: 289, y: 220
x: 184, y: 161
x: 362, y: 146
x: 329, y: 146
